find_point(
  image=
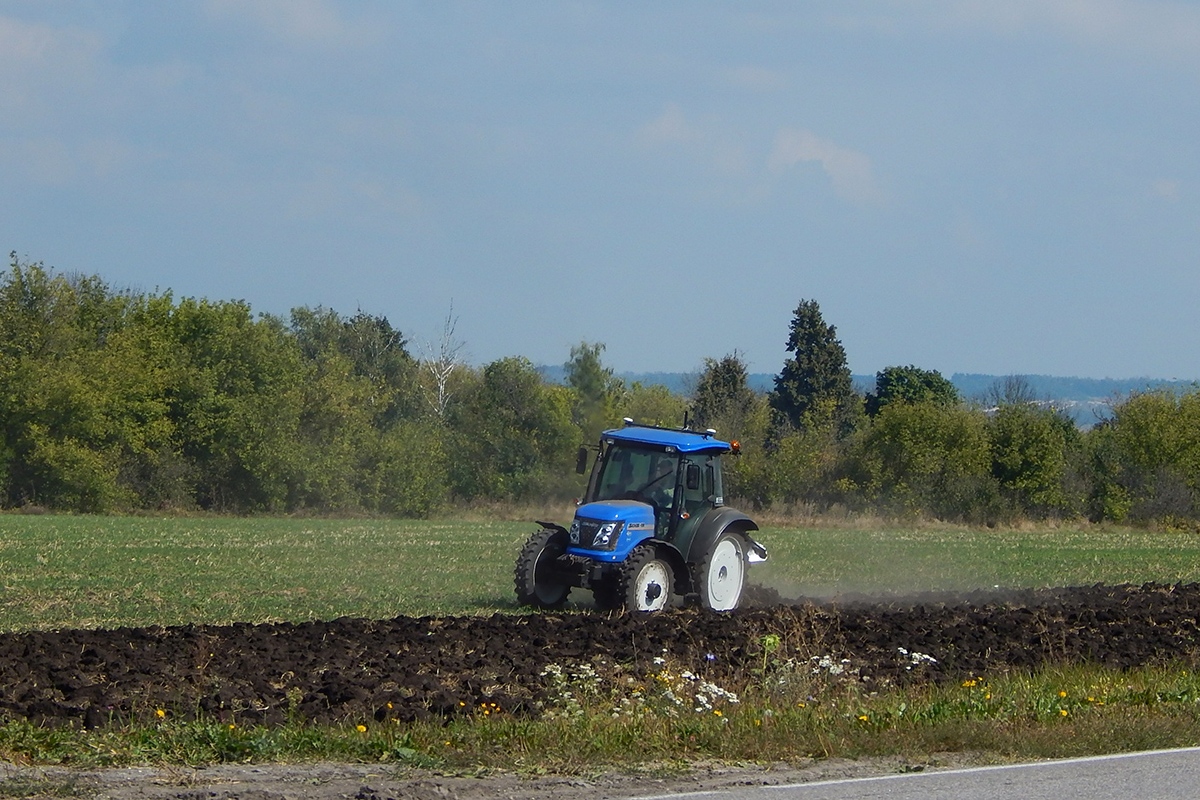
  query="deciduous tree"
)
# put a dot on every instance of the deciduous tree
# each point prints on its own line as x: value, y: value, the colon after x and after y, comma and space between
x: 910, y: 385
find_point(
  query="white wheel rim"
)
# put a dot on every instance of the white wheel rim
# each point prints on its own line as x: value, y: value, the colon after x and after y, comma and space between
x: 654, y: 574
x: 725, y: 572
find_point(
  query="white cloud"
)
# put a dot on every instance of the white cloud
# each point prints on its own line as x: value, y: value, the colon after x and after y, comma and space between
x: 55, y: 161
x: 1144, y: 27
x: 756, y: 79
x: 724, y: 151
x: 849, y: 171
x: 669, y: 128
x: 298, y: 22
x: 37, y: 59
x: 334, y: 191
x: 706, y: 142
x: 1167, y: 189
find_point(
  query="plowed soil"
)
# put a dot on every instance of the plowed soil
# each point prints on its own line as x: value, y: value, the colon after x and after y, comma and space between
x: 417, y: 668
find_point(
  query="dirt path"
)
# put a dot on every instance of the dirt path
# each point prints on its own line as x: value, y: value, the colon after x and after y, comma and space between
x: 361, y: 782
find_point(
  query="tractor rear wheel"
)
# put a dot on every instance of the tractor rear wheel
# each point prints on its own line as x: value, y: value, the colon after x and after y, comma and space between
x: 536, y: 582
x: 722, y: 573
x: 647, y: 581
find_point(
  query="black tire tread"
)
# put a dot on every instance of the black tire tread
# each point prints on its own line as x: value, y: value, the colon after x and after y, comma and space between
x: 525, y: 574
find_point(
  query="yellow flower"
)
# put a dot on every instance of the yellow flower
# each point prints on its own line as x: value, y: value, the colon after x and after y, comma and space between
x: 1062, y: 711
x: 232, y: 726
x: 361, y: 728
x: 717, y: 712
x: 1062, y: 694
x: 863, y: 718
x: 389, y: 705
x: 160, y: 713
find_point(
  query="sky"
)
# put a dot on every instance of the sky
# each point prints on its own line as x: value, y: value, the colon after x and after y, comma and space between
x: 968, y: 186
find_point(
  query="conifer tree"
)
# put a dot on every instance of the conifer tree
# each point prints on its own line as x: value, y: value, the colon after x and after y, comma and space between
x: 814, y: 389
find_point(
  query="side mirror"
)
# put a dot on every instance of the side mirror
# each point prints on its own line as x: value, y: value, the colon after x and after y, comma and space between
x: 693, y: 477
x: 581, y: 461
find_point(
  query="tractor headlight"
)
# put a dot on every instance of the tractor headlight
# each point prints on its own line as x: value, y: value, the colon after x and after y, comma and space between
x: 574, y: 532
x: 604, y: 536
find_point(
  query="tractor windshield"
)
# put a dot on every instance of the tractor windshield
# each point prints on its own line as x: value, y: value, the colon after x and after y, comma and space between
x: 637, y: 474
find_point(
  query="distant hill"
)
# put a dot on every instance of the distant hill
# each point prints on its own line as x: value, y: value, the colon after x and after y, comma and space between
x: 1086, y: 399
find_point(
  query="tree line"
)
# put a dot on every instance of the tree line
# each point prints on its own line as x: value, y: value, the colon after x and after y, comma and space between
x: 116, y: 400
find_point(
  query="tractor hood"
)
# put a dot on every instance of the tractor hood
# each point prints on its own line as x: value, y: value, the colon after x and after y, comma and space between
x: 609, y: 529
x: 627, y: 511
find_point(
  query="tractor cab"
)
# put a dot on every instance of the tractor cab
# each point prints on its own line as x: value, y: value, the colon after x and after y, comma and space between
x: 649, y: 481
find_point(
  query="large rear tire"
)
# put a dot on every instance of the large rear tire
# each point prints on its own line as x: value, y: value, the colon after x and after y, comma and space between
x: 722, y: 573
x: 536, y: 582
x: 647, y: 580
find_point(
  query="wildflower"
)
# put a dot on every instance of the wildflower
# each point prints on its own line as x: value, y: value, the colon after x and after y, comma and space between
x: 160, y: 713
x: 709, y: 657
x: 361, y: 728
x: 389, y: 705
x: 863, y: 718
x: 232, y: 726
x: 970, y: 684
x: 1063, y: 712
x: 717, y: 711
x: 1062, y: 694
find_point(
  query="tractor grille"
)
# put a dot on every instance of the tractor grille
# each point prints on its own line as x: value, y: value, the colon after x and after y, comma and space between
x: 594, y: 534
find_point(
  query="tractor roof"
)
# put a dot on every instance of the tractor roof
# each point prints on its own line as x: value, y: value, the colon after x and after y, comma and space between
x: 682, y: 440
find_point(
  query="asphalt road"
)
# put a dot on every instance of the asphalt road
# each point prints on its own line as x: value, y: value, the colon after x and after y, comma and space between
x: 1157, y: 775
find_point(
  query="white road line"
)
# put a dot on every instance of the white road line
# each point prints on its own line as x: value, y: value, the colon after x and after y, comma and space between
x: 902, y: 776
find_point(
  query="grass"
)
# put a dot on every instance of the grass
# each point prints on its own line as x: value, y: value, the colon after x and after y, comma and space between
x: 66, y: 571
x: 824, y: 561
x: 79, y: 571
x: 1059, y: 712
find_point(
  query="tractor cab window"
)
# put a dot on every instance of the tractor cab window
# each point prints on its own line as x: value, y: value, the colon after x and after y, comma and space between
x: 636, y: 474
x: 698, y: 489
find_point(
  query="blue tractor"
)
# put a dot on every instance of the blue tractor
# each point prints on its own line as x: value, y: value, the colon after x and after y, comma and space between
x: 651, y: 528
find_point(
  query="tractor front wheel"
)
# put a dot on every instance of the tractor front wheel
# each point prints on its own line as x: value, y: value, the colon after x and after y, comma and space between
x: 536, y: 582
x: 722, y: 573
x: 647, y: 580
x: 607, y: 594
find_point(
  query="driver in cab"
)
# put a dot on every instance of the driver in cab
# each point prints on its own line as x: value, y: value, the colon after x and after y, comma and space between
x: 662, y: 491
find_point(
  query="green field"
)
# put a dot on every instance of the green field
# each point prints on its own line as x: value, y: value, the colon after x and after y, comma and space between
x: 79, y: 571
x: 64, y: 571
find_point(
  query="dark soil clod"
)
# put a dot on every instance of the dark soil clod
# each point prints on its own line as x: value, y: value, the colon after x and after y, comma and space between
x: 418, y: 668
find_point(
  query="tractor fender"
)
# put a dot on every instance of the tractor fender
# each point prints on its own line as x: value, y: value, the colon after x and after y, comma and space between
x: 718, y: 521
x: 670, y: 553
x: 552, y: 526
